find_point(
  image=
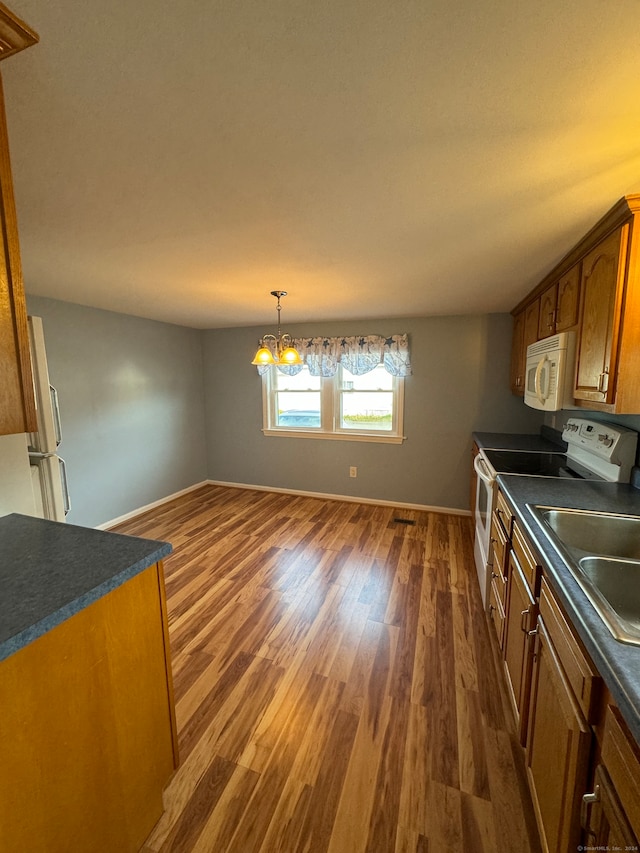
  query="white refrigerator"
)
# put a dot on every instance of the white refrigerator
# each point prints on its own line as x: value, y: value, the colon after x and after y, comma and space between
x: 33, y: 477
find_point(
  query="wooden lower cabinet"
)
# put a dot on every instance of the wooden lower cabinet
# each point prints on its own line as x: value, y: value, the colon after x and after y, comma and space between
x: 520, y: 620
x: 620, y: 799
x: 558, y: 750
x: 496, y: 613
x: 582, y: 762
x: 87, y: 728
x: 604, y: 820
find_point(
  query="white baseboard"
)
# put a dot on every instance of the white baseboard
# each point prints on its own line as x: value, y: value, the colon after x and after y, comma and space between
x: 347, y: 498
x: 447, y: 510
x: 140, y: 510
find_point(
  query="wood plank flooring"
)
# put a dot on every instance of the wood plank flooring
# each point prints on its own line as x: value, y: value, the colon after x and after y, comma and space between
x: 336, y: 691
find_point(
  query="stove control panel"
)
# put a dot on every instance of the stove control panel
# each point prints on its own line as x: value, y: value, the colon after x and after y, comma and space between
x: 609, y: 449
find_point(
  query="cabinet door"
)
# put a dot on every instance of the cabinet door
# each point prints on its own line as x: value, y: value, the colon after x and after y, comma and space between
x: 520, y: 619
x: 568, y: 300
x: 547, y: 318
x: 525, y: 332
x: 557, y: 755
x: 531, y: 321
x: 498, y: 544
x: 17, y: 404
x: 517, y: 355
x: 601, y: 293
x: 496, y: 612
x: 607, y: 826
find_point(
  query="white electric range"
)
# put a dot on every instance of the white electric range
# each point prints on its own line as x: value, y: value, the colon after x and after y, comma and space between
x: 595, y: 451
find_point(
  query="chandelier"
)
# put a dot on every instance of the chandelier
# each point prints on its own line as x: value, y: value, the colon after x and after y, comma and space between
x: 285, y: 352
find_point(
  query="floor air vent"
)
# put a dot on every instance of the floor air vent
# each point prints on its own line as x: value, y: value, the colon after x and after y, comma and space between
x: 404, y: 521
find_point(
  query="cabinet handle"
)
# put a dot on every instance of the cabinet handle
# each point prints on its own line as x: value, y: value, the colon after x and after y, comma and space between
x: 494, y: 575
x: 533, y: 633
x: 550, y: 323
x: 603, y: 381
x: 523, y: 620
x: 587, y: 800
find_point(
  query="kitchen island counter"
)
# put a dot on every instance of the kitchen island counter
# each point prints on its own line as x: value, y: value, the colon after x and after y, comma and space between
x: 88, y: 727
x: 618, y: 663
x: 50, y: 571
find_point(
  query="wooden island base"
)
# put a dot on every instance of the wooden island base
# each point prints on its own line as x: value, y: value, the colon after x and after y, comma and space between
x: 87, y: 727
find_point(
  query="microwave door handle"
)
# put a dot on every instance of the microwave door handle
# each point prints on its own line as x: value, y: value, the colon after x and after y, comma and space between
x: 481, y: 469
x: 538, y: 380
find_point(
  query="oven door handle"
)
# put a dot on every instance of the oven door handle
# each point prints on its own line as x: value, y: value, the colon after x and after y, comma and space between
x: 482, y: 470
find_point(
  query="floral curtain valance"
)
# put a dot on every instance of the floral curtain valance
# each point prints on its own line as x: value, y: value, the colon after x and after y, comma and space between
x: 358, y: 354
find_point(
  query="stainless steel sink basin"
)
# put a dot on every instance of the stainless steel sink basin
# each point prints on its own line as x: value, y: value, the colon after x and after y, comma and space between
x: 595, y: 532
x: 602, y: 550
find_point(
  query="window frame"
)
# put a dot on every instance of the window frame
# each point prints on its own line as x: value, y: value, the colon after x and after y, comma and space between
x: 330, y: 409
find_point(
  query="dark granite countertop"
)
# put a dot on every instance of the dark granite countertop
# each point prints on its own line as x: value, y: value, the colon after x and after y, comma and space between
x: 516, y: 441
x: 618, y: 663
x: 50, y: 571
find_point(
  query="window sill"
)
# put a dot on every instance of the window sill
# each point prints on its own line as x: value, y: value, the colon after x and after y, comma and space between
x: 335, y: 436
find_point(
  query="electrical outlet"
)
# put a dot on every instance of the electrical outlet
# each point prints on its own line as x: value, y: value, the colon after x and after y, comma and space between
x: 353, y: 471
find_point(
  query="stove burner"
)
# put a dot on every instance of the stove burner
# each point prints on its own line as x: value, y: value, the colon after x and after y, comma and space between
x: 536, y: 464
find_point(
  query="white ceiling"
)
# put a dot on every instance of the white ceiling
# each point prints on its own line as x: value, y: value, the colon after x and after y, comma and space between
x: 375, y: 158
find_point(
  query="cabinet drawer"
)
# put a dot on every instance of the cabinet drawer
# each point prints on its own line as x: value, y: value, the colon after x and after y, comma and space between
x: 526, y: 560
x: 499, y: 548
x: 504, y: 514
x: 496, y: 611
x: 621, y: 757
x: 580, y: 672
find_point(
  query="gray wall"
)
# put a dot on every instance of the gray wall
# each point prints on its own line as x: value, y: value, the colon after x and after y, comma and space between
x: 460, y: 383
x: 131, y: 397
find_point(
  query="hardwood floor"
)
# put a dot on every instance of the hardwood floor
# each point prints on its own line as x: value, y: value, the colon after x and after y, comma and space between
x: 335, y: 686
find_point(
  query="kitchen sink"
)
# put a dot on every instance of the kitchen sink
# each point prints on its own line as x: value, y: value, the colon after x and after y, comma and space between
x: 595, y: 532
x: 602, y: 550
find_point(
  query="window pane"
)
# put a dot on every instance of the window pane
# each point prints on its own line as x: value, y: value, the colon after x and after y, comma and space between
x: 302, y: 381
x: 363, y: 410
x: 376, y: 380
x: 298, y: 400
x: 366, y: 402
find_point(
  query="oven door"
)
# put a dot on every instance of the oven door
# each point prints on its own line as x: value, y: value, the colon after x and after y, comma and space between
x: 485, y: 490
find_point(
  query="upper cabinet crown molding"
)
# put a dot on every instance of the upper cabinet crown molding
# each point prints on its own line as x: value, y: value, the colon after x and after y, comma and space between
x: 596, y: 290
x: 621, y: 212
x: 15, y: 35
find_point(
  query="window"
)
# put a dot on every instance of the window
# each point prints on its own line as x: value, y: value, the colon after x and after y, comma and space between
x: 360, y: 408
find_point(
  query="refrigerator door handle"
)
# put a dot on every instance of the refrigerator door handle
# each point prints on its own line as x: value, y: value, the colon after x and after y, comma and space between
x: 57, y: 422
x: 65, y: 485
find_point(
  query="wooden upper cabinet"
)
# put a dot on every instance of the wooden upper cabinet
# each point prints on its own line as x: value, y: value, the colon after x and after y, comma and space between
x: 602, y: 286
x: 568, y: 300
x: 559, y: 305
x: 547, y: 320
x: 17, y: 403
x: 525, y: 332
x: 517, y: 355
x: 596, y: 292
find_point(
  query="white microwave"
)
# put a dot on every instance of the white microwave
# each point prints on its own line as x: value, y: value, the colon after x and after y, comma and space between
x: 549, y: 375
